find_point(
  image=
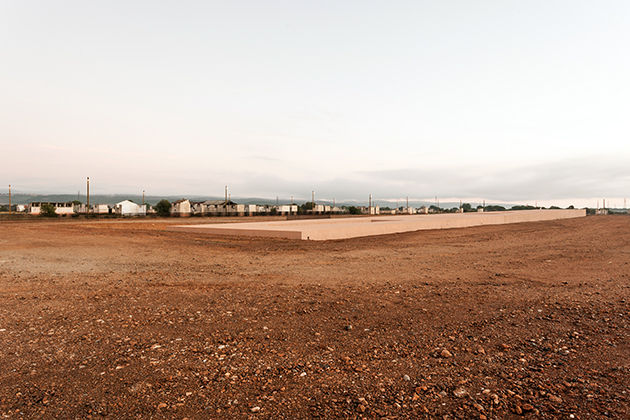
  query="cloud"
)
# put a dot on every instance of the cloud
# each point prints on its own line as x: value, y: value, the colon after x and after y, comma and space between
x: 582, y: 177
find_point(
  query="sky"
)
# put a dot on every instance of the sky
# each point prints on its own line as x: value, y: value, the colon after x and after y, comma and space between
x: 503, y: 101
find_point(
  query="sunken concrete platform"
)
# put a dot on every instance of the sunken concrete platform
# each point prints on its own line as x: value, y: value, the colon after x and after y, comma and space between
x: 352, y: 227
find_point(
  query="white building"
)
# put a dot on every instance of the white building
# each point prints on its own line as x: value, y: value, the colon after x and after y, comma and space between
x: 129, y: 208
x: 94, y: 208
x: 372, y: 211
x: 181, y: 208
x: 60, y: 208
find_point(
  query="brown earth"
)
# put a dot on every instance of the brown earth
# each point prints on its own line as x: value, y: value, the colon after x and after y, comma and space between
x: 120, y: 319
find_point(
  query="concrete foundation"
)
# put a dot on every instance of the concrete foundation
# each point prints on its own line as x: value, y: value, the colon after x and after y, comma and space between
x: 352, y: 227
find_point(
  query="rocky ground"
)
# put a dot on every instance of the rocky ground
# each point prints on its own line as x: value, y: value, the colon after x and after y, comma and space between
x: 119, y: 319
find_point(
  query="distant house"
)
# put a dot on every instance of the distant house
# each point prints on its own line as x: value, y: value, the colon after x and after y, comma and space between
x: 129, y: 208
x: 101, y: 209
x: 60, y: 208
x: 94, y: 209
x: 286, y: 209
x: 181, y: 208
x: 370, y: 210
x: 219, y: 207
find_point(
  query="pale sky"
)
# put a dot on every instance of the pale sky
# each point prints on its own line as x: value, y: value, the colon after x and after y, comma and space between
x: 512, y: 101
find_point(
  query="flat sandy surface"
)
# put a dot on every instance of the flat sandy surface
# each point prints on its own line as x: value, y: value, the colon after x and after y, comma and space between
x: 354, y: 227
x: 124, y: 319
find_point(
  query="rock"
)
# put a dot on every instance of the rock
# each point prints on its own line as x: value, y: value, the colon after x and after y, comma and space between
x: 446, y: 354
x: 528, y: 407
x: 460, y: 392
x: 255, y: 409
x: 161, y: 406
x: 348, y: 327
x: 406, y: 378
x: 478, y: 407
x: 555, y: 399
x: 480, y: 350
x: 495, y: 399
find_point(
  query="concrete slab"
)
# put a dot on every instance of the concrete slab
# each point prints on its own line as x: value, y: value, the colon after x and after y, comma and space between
x: 352, y: 227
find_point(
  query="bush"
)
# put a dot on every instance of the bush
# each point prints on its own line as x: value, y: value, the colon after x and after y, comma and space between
x: 47, y: 210
x: 163, y: 208
x: 309, y: 205
x: 354, y: 210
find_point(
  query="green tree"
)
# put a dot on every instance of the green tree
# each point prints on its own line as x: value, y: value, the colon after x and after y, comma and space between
x: 495, y: 208
x: 48, y: 210
x: 309, y: 205
x: 467, y: 207
x: 163, y: 208
x: 354, y: 210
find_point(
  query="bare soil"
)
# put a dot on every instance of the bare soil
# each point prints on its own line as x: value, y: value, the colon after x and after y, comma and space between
x: 123, y: 319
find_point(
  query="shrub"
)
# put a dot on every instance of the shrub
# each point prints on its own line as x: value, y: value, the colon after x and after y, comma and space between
x: 163, y: 208
x: 47, y: 210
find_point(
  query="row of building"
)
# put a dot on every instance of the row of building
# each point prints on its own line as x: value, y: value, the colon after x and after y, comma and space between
x: 186, y: 208
x: 124, y: 208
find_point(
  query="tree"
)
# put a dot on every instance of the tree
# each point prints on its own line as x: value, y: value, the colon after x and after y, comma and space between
x: 163, y: 208
x: 48, y: 210
x: 354, y: 210
x: 495, y: 208
x: 309, y: 205
x: 467, y: 207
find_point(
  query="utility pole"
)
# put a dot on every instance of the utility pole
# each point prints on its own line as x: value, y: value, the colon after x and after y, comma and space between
x: 313, y: 200
x: 142, y: 198
x: 407, y: 209
x: 9, y: 200
x: 88, y: 196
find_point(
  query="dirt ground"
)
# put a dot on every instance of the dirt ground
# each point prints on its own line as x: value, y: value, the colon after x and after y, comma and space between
x: 123, y: 319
